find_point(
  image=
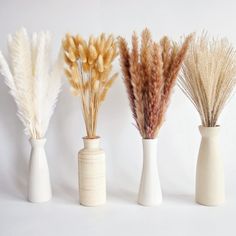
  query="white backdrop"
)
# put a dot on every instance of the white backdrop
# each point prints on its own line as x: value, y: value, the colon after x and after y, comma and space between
x: 178, y: 141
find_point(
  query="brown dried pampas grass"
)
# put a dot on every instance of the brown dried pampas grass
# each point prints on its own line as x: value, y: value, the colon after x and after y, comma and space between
x: 89, y: 65
x: 149, y: 76
x: 208, y: 76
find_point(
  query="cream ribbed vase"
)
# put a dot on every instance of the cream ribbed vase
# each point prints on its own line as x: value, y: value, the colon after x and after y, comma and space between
x: 92, y: 174
x: 39, y: 187
x: 150, y: 193
x: 210, y: 171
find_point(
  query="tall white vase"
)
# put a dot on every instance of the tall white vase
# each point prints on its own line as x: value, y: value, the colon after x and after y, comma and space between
x: 92, y: 174
x: 150, y: 193
x: 39, y: 187
x: 210, y: 171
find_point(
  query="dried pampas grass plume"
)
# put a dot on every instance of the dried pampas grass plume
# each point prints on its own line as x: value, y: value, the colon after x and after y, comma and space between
x: 32, y: 83
x: 149, y: 76
x: 208, y: 76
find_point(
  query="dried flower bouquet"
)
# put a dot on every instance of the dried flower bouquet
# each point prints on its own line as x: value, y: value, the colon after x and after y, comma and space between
x: 33, y: 83
x: 35, y: 87
x: 88, y: 69
x: 208, y: 79
x: 89, y: 65
x: 209, y: 76
x: 149, y: 77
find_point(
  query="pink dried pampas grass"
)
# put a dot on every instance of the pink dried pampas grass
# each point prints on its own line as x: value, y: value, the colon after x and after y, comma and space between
x: 149, y: 76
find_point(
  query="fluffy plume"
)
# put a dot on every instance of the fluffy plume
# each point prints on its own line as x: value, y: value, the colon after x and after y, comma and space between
x: 149, y: 77
x: 125, y: 68
x: 88, y: 69
x: 208, y: 76
x: 32, y: 83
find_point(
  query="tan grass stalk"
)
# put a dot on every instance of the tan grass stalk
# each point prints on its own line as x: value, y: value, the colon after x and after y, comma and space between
x: 137, y: 81
x: 149, y: 77
x: 88, y: 70
x: 208, y: 77
x: 125, y: 68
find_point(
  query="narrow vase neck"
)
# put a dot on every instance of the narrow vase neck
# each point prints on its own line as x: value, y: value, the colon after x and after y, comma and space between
x: 37, y: 143
x: 149, y: 148
x: 91, y: 143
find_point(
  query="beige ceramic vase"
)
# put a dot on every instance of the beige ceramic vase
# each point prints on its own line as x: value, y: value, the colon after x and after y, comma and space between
x: 92, y: 173
x: 210, y: 171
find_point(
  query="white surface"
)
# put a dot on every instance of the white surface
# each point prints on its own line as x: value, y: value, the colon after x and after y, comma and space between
x: 178, y: 141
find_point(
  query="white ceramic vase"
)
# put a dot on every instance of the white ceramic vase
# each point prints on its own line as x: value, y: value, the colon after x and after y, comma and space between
x: 92, y: 173
x: 39, y: 187
x: 210, y: 189
x: 150, y: 193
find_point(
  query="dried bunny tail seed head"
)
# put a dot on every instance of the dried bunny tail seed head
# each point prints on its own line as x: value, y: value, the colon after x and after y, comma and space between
x: 88, y: 69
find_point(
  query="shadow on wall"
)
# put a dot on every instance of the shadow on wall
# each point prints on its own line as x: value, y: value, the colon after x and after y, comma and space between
x: 64, y: 141
x: 13, y: 149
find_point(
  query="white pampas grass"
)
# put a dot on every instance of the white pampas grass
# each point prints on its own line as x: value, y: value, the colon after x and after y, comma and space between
x: 33, y: 83
x: 208, y: 76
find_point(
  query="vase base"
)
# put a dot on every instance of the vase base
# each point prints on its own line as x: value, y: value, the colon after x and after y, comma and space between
x: 92, y: 198
x: 210, y: 204
x: 41, y: 200
x: 149, y: 204
x: 92, y: 204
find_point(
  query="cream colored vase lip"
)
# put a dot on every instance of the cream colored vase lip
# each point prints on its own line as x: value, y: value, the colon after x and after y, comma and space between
x: 209, y: 131
x: 91, y: 142
x: 38, y: 141
x: 87, y: 138
x: 209, y: 128
x: 149, y: 139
